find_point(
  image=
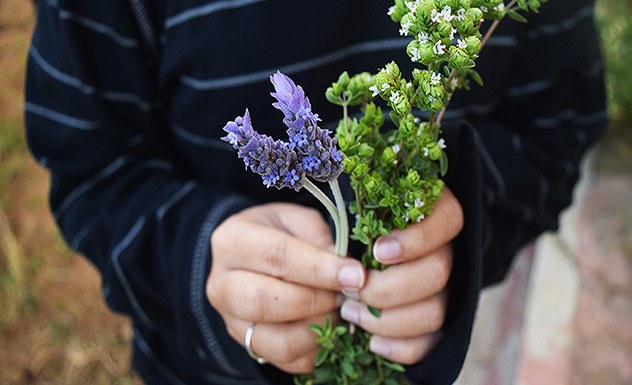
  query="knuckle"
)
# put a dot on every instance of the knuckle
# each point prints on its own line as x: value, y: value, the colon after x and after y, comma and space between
x: 300, y: 366
x: 435, y: 315
x: 277, y: 259
x: 255, y: 303
x: 441, y: 269
x: 287, y: 349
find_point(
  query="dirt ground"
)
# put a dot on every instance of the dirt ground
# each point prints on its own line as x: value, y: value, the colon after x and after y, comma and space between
x: 54, y: 325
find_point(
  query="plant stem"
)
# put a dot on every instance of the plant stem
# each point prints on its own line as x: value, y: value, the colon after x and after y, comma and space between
x: 331, y: 208
x: 342, y: 244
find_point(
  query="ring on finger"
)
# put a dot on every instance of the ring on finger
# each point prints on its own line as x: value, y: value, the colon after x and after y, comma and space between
x: 248, y: 344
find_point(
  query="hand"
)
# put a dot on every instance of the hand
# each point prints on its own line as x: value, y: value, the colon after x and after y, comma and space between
x: 271, y: 267
x: 411, y: 293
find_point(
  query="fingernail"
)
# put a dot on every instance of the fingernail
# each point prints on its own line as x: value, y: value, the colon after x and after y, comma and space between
x: 387, y: 249
x: 350, y: 311
x: 351, y: 277
x: 379, y: 346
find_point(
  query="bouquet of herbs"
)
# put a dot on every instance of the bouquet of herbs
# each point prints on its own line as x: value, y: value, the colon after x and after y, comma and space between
x: 395, y: 172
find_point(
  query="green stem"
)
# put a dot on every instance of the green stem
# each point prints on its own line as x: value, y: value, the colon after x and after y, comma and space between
x: 342, y: 245
x: 331, y: 208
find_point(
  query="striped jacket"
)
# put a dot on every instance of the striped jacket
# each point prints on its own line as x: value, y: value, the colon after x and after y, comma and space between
x: 125, y: 102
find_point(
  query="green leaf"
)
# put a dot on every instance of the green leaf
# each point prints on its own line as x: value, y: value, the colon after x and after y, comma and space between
x: 321, y: 357
x: 443, y: 163
x: 394, y: 366
x: 518, y: 17
x: 476, y: 77
x: 375, y: 311
x: 317, y: 329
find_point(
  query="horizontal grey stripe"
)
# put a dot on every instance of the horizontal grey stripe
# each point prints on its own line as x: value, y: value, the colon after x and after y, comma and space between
x: 562, y: 26
x: 530, y: 88
x: 262, y: 75
x: 502, y: 41
x: 205, y: 10
x: 58, y: 117
x: 198, y: 140
x: 572, y: 117
x: 94, y: 26
x: 72, y: 81
x: 90, y: 183
x: 477, y: 109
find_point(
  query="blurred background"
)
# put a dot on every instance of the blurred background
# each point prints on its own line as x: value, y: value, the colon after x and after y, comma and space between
x: 566, y: 318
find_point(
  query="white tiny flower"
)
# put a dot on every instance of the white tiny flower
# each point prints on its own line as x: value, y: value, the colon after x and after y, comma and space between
x: 455, y: 83
x: 416, y: 54
x: 405, y: 28
x: 461, y: 44
x: 446, y: 13
x: 432, y: 98
x: 396, y: 97
x: 435, y: 78
x: 438, y: 48
x: 500, y: 7
x: 385, y: 87
x: 435, y: 16
x: 419, y: 203
x: 396, y: 148
x: 374, y: 90
x: 391, y: 10
x: 426, y: 152
x: 421, y: 218
x: 484, y: 9
x: 423, y: 37
x: 411, y: 5
x: 452, y: 33
x: 460, y: 14
x: 441, y: 143
x: 417, y: 120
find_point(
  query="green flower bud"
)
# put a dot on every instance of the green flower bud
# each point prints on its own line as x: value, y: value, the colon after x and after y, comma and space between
x: 465, y: 26
x: 434, y: 152
x: 475, y: 15
x: 459, y: 58
x: 365, y: 150
x: 397, y: 11
x: 408, y: 129
x: 424, y: 13
x: 392, y: 69
x: 389, y: 157
x: 427, y: 53
x: 443, y: 30
x: 360, y: 170
x: 473, y: 45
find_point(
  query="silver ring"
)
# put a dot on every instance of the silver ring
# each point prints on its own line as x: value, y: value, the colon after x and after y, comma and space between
x: 248, y: 340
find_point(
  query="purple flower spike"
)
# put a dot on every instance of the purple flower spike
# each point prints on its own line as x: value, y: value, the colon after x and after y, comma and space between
x: 317, y: 150
x: 239, y: 131
x: 277, y: 164
x: 291, y: 100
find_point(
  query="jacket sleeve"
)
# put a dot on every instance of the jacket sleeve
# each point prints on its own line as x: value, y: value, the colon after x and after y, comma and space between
x: 119, y: 191
x: 513, y: 169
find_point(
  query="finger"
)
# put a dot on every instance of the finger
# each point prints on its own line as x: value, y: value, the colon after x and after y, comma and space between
x: 408, y: 282
x: 274, y: 252
x: 406, y: 351
x: 291, y: 346
x: 443, y: 225
x: 261, y: 298
x: 401, y: 322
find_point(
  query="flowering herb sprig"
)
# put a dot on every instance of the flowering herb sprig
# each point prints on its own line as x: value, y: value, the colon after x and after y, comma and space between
x: 395, y: 173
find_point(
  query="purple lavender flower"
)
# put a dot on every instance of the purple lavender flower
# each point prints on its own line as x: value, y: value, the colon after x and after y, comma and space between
x: 314, y: 145
x: 291, y: 100
x: 275, y: 161
x: 239, y: 131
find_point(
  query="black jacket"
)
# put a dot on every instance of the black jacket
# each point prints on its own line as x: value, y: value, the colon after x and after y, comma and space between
x: 126, y: 100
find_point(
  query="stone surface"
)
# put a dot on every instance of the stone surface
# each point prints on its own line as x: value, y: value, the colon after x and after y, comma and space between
x: 572, y: 323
